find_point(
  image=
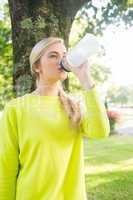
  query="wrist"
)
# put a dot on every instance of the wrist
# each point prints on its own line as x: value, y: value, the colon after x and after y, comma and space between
x: 88, y: 86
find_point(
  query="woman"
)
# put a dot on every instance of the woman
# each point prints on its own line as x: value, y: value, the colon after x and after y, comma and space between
x: 41, y: 133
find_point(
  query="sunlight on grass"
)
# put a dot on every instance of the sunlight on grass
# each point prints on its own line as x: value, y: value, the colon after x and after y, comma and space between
x: 123, y: 165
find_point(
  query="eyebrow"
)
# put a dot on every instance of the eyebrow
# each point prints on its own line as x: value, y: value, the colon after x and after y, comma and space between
x: 56, y: 52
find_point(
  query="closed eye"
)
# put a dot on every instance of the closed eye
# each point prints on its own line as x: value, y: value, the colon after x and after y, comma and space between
x: 51, y: 56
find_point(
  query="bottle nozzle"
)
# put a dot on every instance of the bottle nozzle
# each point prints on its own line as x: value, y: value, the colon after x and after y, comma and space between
x: 62, y: 66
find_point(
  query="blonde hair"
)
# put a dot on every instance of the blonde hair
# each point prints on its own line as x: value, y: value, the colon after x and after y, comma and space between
x: 71, y: 105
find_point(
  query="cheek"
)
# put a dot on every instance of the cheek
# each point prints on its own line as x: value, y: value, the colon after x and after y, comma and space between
x: 47, y: 70
x: 48, y: 65
x: 44, y: 67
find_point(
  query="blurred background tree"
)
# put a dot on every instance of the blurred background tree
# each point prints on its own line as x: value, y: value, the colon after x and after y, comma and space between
x: 120, y: 95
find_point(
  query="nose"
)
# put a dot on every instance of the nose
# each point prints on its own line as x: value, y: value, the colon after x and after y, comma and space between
x: 59, y: 62
x: 59, y: 65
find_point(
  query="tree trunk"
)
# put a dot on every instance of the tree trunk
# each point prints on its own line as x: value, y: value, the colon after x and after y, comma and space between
x: 31, y: 21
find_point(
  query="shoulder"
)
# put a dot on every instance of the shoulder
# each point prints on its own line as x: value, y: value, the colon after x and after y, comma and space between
x: 12, y: 108
x: 15, y: 103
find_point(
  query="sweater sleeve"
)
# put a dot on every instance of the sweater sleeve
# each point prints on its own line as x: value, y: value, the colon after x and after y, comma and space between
x: 8, y: 153
x: 95, y: 123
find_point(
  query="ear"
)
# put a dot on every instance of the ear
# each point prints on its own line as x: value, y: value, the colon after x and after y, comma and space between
x: 36, y: 68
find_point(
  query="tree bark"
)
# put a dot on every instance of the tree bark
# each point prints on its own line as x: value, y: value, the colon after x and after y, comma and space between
x: 31, y: 21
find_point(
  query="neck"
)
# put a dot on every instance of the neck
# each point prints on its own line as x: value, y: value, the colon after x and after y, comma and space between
x: 47, y: 89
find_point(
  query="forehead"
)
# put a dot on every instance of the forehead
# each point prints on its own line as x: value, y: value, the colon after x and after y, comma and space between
x: 58, y: 47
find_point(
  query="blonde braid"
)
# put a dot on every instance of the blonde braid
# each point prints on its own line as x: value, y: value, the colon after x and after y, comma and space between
x: 72, y: 108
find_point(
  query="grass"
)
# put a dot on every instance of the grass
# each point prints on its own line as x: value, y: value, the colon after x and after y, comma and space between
x: 109, y: 168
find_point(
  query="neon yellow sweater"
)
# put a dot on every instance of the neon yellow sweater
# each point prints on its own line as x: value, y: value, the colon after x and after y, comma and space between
x: 41, y: 157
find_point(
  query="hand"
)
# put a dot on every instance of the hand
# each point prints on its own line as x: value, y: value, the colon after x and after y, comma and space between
x: 81, y: 70
x: 84, y: 75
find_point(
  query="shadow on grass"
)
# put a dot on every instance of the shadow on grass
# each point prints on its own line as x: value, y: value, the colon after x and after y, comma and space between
x: 116, y: 185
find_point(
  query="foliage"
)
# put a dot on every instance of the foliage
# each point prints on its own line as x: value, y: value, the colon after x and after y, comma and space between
x: 6, y: 82
x: 100, y: 72
x: 98, y: 18
x: 120, y: 94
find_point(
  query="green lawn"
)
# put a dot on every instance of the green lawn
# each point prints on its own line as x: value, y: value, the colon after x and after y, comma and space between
x: 109, y: 168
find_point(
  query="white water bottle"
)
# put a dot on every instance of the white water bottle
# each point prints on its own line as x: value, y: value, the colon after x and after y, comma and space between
x: 86, y: 47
